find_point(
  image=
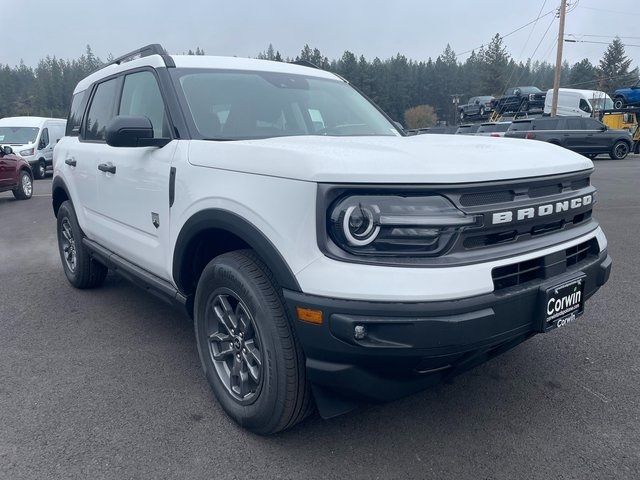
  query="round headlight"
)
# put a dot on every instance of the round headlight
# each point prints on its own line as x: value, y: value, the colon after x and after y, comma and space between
x: 359, y: 225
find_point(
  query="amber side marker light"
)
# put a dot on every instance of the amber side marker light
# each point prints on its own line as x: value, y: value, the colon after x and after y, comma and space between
x: 309, y: 316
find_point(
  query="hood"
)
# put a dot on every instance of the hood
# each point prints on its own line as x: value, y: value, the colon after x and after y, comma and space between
x: 415, y: 159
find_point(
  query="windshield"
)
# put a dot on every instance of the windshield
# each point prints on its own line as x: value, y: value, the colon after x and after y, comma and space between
x: 530, y: 90
x: 602, y: 103
x: 240, y: 105
x: 18, y: 135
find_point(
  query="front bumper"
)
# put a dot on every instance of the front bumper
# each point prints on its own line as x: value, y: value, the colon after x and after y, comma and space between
x: 412, y: 345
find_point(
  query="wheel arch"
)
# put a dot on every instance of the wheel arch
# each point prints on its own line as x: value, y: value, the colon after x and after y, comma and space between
x: 59, y: 194
x: 212, y: 232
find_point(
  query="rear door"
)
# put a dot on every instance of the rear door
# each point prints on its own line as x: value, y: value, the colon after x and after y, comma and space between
x: 133, y: 202
x: 574, y: 135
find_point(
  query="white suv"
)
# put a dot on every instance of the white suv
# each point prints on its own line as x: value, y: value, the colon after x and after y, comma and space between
x: 321, y: 252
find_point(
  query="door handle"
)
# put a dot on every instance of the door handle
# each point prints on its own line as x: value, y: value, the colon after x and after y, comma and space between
x: 107, y: 167
x: 71, y: 162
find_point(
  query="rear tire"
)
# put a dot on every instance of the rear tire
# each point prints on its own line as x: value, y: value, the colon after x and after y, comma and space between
x: 620, y: 150
x: 619, y: 103
x: 40, y: 170
x: 24, y: 190
x: 262, y: 387
x: 81, y: 270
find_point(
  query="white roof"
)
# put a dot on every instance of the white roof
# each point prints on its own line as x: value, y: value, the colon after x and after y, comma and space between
x: 205, y: 61
x: 585, y: 93
x: 27, y: 121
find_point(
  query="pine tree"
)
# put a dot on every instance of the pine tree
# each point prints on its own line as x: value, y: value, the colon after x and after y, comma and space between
x: 494, y: 66
x: 582, y: 75
x: 613, y: 71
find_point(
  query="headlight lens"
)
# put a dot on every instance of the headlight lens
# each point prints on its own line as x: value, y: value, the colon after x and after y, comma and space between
x: 26, y: 153
x: 396, y: 225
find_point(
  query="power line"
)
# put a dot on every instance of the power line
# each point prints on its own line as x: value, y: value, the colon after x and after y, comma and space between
x: 580, y: 35
x: 570, y: 40
x: 610, y: 11
x: 513, y: 31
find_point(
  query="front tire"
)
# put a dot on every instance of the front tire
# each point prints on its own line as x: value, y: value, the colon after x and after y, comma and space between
x: 80, y: 269
x: 24, y: 190
x: 40, y: 170
x: 462, y: 115
x: 247, y: 345
x: 620, y: 150
x: 619, y: 103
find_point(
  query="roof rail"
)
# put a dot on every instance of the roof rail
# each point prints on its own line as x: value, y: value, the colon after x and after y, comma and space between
x: 152, y: 49
x: 305, y: 63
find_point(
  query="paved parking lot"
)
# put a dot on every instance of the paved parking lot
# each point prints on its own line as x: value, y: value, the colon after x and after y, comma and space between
x: 107, y: 384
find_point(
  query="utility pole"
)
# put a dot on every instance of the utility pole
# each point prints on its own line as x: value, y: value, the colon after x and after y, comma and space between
x: 556, y: 79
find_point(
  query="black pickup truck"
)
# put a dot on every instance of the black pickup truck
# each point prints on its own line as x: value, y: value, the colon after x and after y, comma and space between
x: 520, y: 99
x: 476, y: 107
x: 587, y: 136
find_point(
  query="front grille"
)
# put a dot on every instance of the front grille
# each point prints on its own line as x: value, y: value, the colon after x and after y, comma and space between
x: 545, y: 190
x: 486, y: 198
x: 520, y: 273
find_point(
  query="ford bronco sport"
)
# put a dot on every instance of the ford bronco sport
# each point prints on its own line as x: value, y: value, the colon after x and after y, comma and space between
x: 325, y: 257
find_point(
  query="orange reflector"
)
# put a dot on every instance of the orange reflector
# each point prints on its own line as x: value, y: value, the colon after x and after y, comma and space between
x: 309, y: 316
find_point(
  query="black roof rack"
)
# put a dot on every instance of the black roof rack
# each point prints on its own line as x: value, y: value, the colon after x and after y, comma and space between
x: 147, y: 50
x: 305, y: 63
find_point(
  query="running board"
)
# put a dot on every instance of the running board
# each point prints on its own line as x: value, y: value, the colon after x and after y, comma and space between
x: 140, y: 277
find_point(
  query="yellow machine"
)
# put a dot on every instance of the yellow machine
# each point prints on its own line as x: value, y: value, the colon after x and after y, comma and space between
x: 627, y: 119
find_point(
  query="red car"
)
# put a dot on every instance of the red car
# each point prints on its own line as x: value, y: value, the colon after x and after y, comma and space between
x: 15, y: 174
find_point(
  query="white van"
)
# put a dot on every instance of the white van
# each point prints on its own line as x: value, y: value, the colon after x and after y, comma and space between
x: 33, y: 138
x: 574, y: 102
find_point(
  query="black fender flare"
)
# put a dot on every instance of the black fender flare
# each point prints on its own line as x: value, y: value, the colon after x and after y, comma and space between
x: 243, y: 229
x: 58, y: 184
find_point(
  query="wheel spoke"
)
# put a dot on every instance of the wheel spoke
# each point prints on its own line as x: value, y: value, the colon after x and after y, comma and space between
x: 252, y: 353
x: 243, y: 321
x: 219, y: 337
x: 222, y: 354
x: 225, y: 314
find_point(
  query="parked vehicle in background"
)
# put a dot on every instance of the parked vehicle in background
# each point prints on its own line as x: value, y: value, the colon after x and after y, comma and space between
x: 470, y: 129
x: 587, y: 136
x: 493, y: 129
x: 628, y: 96
x: 33, y: 138
x: 624, y: 119
x: 319, y: 250
x: 573, y: 102
x: 519, y: 99
x: 476, y: 107
x: 441, y: 130
x: 15, y: 174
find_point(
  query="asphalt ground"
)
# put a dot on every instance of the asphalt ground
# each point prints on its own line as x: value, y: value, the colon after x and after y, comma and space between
x: 107, y: 383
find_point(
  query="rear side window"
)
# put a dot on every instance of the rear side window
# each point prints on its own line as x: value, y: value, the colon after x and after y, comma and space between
x: 520, y: 126
x: 502, y: 127
x: 101, y: 111
x: 74, y: 120
x: 574, y: 124
x: 141, y: 97
x: 546, y: 124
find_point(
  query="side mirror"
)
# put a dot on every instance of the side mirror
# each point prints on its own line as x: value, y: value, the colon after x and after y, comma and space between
x: 604, y: 128
x: 41, y: 145
x: 129, y: 131
x: 477, y: 102
x: 7, y: 150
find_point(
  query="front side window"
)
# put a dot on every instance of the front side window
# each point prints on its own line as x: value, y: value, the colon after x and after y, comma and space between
x: 101, y: 111
x: 141, y: 97
x: 18, y: 135
x: 584, y: 106
x: 44, y: 138
x: 574, y: 124
x: 240, y: 105
x: 592, y: 124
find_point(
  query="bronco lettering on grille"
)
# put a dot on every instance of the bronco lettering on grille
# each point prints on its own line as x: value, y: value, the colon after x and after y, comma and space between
x: 528, y: 213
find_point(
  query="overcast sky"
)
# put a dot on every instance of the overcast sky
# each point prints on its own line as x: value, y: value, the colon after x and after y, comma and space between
x: 419, y: 29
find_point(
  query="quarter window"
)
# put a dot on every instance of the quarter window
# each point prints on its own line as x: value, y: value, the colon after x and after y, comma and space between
x: 75, y: 114
x: 141, y: 97
x: 101, y: 111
